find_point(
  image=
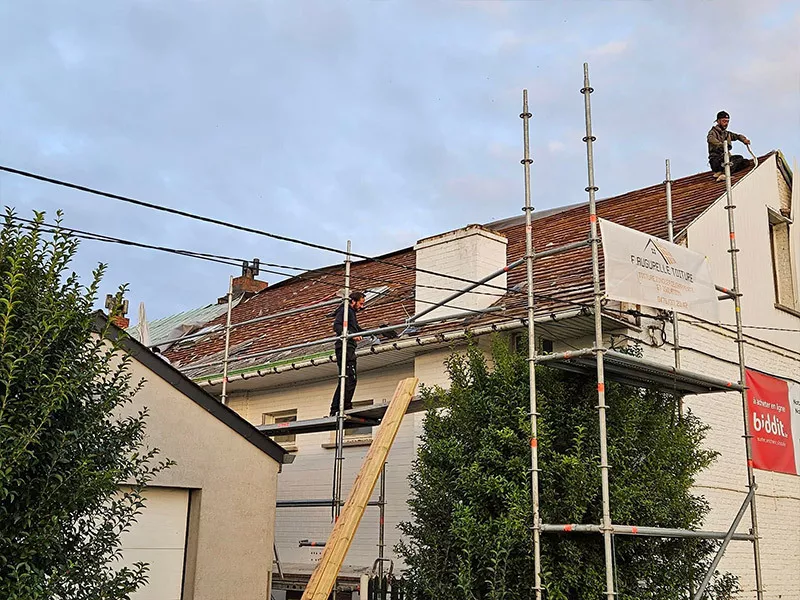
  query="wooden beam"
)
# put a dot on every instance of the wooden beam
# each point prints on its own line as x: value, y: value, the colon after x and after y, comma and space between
x: 324, y: 577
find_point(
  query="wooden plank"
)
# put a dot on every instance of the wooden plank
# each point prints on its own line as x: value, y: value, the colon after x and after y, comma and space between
x: 324, y: 577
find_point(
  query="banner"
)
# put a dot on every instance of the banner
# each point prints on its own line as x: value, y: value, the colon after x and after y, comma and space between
x: 773, y: 408
x: 643, y: 269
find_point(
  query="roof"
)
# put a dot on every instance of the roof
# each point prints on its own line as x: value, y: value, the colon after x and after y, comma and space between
x: 188, y: 388
x: 177, y: 325
x: 562, y: 281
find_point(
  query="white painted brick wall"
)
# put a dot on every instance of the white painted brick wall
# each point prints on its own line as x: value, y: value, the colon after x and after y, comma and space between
x: 470, y: 253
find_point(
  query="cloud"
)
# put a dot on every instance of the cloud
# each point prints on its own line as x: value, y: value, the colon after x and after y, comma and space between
x: 610, y: 49
x: 380, y: 122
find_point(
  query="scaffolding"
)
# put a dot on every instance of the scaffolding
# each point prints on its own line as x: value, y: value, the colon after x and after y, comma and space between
x: 605, y: 363
x: 633, y: 370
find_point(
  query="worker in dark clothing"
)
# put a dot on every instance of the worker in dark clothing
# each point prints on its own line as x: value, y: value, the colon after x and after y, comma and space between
x: 356, y: 303
x: 718, y: 136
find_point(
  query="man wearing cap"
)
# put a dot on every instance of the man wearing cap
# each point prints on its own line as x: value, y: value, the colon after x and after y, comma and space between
x: 717, y: 137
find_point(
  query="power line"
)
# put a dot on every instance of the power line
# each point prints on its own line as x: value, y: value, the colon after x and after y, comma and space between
x: 236, y: 261
x: 213, y: 221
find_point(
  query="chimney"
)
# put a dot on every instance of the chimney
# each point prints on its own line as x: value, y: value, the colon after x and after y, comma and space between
x: 246, y: 284
x: 472, y: 252
x: 117, y: 309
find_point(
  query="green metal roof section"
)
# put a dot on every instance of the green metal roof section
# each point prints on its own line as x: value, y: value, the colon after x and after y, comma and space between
x: 168, y: 328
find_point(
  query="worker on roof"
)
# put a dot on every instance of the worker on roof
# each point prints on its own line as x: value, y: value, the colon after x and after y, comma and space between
x: 355, y: 303
x: 717, y: 137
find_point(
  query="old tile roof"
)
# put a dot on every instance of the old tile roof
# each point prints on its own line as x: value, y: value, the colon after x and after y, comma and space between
x: 560, y: 281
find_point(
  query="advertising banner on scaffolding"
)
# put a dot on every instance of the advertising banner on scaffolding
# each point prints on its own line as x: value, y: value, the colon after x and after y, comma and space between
x: 773, y: 407
x: 644, y: 269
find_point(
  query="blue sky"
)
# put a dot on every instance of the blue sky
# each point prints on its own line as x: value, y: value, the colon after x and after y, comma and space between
x: 381, y: 122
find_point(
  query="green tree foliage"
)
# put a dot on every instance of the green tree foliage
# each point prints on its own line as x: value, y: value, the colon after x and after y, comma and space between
x: 470, y: 537
x: 64, y: 445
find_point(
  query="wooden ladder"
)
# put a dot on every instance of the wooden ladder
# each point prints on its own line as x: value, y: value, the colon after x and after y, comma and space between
x: 324, y: 577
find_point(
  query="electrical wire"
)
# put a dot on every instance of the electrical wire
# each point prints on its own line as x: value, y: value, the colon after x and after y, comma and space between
x: 221, y: 223
x: 236, y: 261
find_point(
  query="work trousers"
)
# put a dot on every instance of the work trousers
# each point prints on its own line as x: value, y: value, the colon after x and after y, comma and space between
x: 350, y: 379
x: 738, y: 162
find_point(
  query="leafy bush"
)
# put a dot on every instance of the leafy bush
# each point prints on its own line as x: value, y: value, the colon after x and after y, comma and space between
x: 64, y: 446
x: 470, y: 537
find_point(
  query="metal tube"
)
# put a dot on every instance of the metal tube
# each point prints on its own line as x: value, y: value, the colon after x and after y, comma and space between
x: 737, y: 301
x: 381, y: 521
x: 663, y: 532
x: 434, y: 338
x: 465, y: 290
x: 564, y: 355
x: 671, y: 238
x: 598, y: 338
x: 336, y: 338
x: 339, y: 457
x: 225, y: 362
x: 728, y: 536
x: 451, y: 317
x: 560, y: 249
x: 528, y: 209
x: 725, y: 291
x: 250, y: 322
x: 314, y: 503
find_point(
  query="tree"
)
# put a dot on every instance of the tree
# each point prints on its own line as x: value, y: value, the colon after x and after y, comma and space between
x: 470, y: 537
x: 65, y: 449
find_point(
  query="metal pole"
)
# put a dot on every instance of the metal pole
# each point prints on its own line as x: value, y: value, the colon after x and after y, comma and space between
x: 726, y: 540
x: 285, y: 313
x: 598, y: 338
x: 465, y: 290
x: 662, y: 532
x: 528, y: 209
x: 737, y: 301
x: 381, y: 522
x: 671, y: 237
x: 337, y: 472
x: 454, y: 316
x: 227, y: 344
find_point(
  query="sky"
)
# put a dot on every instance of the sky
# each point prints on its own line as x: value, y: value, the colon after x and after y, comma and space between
x: 381, y: 122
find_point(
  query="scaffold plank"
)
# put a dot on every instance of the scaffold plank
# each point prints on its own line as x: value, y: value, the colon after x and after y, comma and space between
x: 365, y: 416
x: 632, y: 370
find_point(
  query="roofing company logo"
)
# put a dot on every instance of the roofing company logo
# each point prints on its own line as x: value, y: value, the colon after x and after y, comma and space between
x: 656, y: 250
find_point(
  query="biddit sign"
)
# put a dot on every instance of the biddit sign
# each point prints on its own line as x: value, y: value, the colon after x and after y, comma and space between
x: 774, y: 412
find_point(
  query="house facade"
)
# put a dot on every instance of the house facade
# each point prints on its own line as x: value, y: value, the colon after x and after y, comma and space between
x: 207, y: 529
x: 297, y: 384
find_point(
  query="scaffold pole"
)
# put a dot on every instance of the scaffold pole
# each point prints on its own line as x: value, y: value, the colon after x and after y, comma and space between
x: 748, y: 438
x: 528, y: 209
x: 598, y: 339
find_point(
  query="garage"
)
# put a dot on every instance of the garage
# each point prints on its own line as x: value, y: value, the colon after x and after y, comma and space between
x: 159, y: 539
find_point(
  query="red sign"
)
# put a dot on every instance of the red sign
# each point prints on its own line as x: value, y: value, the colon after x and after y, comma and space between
x: 770, y: 415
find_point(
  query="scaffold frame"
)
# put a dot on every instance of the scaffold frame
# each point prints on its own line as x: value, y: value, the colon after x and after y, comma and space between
x: 603, y: 361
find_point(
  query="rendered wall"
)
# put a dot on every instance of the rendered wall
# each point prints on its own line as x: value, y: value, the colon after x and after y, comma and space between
x: 233, y: 483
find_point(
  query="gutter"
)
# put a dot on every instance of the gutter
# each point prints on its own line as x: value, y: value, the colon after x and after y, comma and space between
x: 424, y: 340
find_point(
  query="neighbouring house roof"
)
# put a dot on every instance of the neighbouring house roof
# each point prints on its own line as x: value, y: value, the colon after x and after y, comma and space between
x: 561, y: 281
x: 177, y: 325
x: 188, y: 388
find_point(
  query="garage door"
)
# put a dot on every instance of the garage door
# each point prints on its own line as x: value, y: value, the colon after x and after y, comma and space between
x: 158, y: 538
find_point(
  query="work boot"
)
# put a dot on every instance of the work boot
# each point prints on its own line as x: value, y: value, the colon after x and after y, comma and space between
x: 719, y: 176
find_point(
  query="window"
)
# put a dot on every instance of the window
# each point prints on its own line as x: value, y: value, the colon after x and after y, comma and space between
x: 359, y: 433
x: 782, y: 274
x: 276, y: 418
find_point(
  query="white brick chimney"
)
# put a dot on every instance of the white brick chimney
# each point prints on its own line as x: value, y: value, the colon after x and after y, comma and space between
x: 473, y: 253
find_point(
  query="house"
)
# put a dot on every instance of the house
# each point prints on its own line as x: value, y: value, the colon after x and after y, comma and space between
x: 208, y: 524
x: 269, y: 383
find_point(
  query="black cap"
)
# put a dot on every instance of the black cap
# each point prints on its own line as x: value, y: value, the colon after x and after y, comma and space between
x: 722, y: 115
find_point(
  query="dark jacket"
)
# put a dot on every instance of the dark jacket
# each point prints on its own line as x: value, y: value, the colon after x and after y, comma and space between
x: 352, y: 325
x: 716, y: 139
